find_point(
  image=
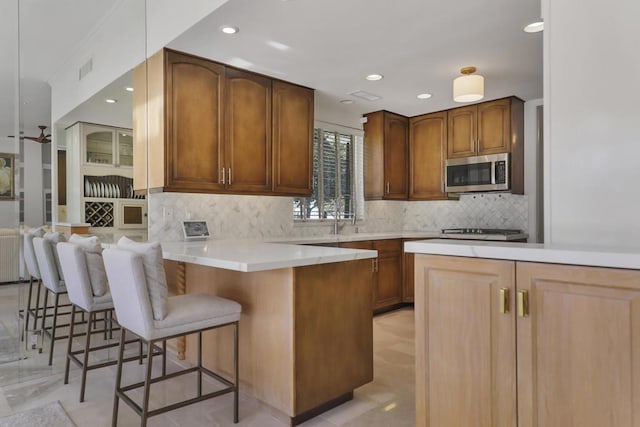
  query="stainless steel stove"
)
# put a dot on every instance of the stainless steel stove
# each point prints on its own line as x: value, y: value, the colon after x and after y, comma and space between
x: 496, y: 231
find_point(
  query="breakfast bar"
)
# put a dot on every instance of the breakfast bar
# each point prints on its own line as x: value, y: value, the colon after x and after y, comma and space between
x: 306, y: 337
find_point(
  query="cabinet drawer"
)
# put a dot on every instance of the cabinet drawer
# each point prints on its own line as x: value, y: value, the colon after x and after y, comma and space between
x: 366, y: 244
x: 388, y: 245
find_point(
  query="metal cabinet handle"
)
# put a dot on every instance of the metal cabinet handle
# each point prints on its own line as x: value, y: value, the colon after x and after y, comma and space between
x: 223, y: 180
x: 229, y: 176
x: 504, y: 300
x: 523, y: 303
x: 387, y: 187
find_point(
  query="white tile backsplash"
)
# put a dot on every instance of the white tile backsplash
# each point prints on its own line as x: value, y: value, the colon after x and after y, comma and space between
x: 260, y: 217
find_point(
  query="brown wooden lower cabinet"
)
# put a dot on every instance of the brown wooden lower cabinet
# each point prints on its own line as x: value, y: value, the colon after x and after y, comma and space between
x: 388, y: 271
x: 572, y: 344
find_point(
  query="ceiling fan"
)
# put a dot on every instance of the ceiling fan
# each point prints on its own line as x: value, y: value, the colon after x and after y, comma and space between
x: 42, y: 139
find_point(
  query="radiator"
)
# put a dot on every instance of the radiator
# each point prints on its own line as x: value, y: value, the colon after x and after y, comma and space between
x: 9, y: 256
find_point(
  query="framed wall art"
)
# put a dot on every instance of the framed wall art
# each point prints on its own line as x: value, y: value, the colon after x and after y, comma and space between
x: 7, y: 164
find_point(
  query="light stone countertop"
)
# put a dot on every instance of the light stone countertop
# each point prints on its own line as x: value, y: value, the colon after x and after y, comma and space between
x: 533, y: 252
x: 354, y: 237
x: 248, y: 256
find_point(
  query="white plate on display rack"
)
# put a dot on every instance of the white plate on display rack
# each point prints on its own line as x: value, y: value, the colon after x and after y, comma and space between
x: 87, y: 188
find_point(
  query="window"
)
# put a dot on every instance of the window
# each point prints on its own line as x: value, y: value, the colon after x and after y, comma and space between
x: 334, y: 178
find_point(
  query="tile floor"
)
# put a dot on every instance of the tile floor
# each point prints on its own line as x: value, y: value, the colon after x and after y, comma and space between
x: 28, y: 383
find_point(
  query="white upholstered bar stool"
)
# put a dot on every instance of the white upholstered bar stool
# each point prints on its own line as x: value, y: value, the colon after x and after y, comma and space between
x: 34, y: 277
x: 132, y: 279
x: 86, y: 283
x: 54, y: 285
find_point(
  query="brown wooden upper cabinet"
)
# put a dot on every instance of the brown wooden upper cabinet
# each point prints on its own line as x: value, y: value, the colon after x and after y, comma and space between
x: 214, y: 128
x: 484, y: 128
x: 248, y: 132
x: 386, y: 138
x: 292, y: 139
x: 427, y: 154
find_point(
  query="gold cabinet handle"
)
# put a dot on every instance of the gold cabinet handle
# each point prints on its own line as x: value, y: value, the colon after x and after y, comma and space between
x: 504, y: 300
x: 387, y: 187
x: 523, y: 303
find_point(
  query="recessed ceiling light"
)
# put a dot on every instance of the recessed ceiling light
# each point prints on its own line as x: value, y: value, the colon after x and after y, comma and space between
x: 346, y: 101
x: 374, y: 77
x: 424, y: 96
x: 534, y: 27
x: 110, y: 101
x: 227, y: 29
x: 128, y: 89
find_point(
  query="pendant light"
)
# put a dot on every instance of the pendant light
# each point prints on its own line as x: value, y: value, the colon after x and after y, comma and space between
x: 469, y: 87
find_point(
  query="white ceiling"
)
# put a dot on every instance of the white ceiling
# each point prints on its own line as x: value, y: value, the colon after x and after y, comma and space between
x: 330, y: 45
x: 418, y: 45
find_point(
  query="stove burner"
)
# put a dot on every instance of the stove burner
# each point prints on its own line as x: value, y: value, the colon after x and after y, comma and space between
x: 501, y: 231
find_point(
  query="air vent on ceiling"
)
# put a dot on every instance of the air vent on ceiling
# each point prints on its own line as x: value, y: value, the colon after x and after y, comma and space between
x: 365, y: 95
x: 85, y: 69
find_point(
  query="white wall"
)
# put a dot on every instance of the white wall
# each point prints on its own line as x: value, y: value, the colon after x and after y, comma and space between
x: 120, y: 43
x: 592, y: 122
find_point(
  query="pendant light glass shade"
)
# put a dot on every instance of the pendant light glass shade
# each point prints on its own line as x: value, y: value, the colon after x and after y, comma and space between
x: 469, y: 87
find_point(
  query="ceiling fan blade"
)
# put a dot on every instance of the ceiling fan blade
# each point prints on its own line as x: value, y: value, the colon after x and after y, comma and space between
x: 31, y: 138
x: 47, y: 136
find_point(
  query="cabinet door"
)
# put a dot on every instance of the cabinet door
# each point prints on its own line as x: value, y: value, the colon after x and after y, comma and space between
x: 374, y: 156
x: 388, y: 289
x: 292, y: 139
x: 248, y: 131
x: 461, y: 138
x: 427, y: 153
x: 396, y: 156
x: 578, y: 361
x: 125, y: 148
x: 494, y: 124
x: 194, y: 156
x: 99, y: 145
x: 465, y: 347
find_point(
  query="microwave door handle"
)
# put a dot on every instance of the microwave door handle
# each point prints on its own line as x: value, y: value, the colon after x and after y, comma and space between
x: 493, y: 173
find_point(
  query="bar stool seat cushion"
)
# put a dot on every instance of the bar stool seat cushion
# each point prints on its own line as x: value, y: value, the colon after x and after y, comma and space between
x: 29, y: 253
x: 190, y: 312
x: 51, y: 275
x: 95, y: 264
x: 53, y: 238
x: 154, y: 271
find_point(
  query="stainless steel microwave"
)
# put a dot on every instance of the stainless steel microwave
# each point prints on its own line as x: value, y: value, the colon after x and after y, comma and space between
x: 480, y: 173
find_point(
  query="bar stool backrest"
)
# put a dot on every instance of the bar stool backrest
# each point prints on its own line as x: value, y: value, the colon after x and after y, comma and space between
x: 128, y: 284
x: 47, y: 265
x: 76, y: 275
x: 29, y: 253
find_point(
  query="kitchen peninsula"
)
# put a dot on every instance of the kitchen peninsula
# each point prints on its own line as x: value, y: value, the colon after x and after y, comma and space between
x: 512, y: 334
x: 306, y: 332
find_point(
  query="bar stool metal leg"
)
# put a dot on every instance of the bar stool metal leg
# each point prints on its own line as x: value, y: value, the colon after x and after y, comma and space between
x: 199, y: 363
x: 53, y: 328
x: 147, y: 385
x: 69, y: 344
x: 116, y: 397
x: 85, y: 361
x: 237, y: 372
x: 44, y: 318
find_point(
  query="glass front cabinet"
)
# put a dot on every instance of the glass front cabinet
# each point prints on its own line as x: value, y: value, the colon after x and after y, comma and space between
x: 107, y: 146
